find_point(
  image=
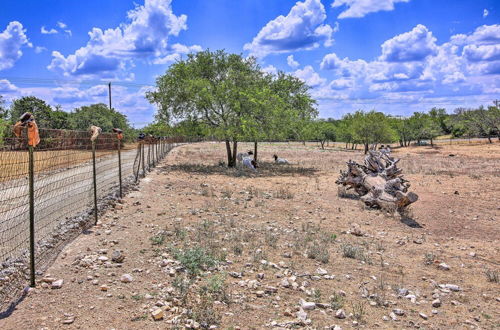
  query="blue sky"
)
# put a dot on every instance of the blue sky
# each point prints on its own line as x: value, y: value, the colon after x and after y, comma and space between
x: 395, y: 56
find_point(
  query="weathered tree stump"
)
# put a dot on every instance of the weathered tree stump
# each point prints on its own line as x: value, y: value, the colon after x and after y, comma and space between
x: 379, y: 182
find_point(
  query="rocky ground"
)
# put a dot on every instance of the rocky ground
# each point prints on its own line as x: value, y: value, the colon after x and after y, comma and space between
x: 199, y: 246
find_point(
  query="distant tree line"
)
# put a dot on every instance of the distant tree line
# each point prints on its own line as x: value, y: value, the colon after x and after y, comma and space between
x: 48, y: 117
x: 371, y: 128
x: 366, y: 129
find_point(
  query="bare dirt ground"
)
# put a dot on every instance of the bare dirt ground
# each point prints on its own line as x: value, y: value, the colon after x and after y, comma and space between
x: 205, y: 246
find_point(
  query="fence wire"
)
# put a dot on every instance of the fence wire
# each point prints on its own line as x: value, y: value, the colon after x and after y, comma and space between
x: 63, y: 193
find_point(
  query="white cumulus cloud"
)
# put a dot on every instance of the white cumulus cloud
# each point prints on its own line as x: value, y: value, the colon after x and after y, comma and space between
x: 144, y: 36
x: 40, y: 49
x: 271, y: 69
x: 43, y: 30
x: 178, y: 50
x: 485, y: 13
x: 292, y: 62
x: 301, y: 29
x: 6, y: 86
x: 360, y: 8
x: 309, y: 76
x: 476, y: 53
x: 410, y: 46
x: 412, y: 66
x: 12, y: 39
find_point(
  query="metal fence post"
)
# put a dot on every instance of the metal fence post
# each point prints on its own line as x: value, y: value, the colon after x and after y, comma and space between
x: 120, y: 166
x: 31, y: 161
x: 142, y: 156
x: 94, y: 180
x: 149, y: 155
x: 153, y: 159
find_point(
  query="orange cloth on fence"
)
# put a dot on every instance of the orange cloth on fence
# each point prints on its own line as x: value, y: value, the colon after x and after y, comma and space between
x: 33, y: 136
x: 119, y: 136
x: 18, y: 129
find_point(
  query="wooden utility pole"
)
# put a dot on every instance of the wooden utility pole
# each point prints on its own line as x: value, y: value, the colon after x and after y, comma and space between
x: 109, y: 93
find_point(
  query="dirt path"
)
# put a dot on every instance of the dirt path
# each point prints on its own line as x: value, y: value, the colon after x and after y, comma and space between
x: 256, y: 245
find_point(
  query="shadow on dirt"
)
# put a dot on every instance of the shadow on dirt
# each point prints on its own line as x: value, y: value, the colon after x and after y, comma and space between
x: 410, y: 222
x: 264, y: 170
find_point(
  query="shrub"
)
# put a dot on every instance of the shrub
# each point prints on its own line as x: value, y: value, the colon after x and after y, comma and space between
x: 194, y: 260
x: 492, y: 276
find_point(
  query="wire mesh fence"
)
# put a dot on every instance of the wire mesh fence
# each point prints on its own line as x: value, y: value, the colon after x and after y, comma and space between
x: 63, y: 198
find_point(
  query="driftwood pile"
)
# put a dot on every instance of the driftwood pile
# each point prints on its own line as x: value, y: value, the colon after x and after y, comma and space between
x: 378, y: 182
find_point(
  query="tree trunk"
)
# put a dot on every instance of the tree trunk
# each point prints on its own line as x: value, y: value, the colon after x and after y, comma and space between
x: 235, y: 150
x: 347, y: 144
x: 229, y: 155
x: 322, y: 144
x: 366, y: 148
x: 489, y: 138
x: 432, y: 143
x: 379, y: 182
x: 255, y: 151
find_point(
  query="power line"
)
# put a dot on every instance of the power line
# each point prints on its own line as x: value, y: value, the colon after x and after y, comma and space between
x: 58, y: 81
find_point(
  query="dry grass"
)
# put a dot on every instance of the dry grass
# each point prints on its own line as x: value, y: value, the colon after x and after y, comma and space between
x: 236, y: 237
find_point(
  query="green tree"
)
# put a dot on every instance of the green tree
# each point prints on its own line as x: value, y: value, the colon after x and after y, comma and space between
x: 345, y: 130
x: 299, y: 107
x: 478, y: 122
x: 372, y: 128
x: 158, y: 129
x: 59, y: 119
x: 493, y: 118
x: 3, y: 109
x: 3, y: 129
x: 323, y: 131
x: 41, y: 110
x: 99, y: 115
x: 192, y: 128
x: 206, y: 86
x: 403, y: 129
x: 440, y: 116
x: 264, y: 120
x: 230, y: 95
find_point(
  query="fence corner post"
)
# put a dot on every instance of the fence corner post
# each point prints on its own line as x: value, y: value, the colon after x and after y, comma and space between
x: 120, y: 166
x: 31, y: 161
